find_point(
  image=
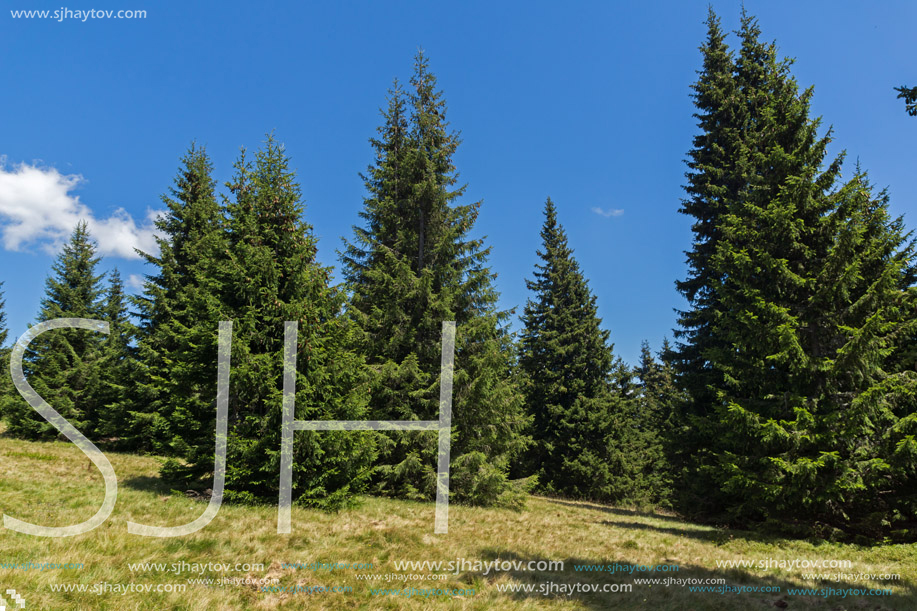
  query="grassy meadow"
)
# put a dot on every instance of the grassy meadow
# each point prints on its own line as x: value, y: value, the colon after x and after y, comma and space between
x: 53, y: 484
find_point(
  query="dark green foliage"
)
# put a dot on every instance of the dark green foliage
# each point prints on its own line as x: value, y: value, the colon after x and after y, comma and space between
x: 411, y: 267
x: 659, y: 401
x: 586, y: 431
x: 713, y: 181
x: 4, y: 331
x: 256, y: 267
x: 62, y: 365
x: 179, y: 314
x: 6, y: 385
x: 910, y: 99
x: 270, y: 276
x: 114, y: 393
x: 798, y: 415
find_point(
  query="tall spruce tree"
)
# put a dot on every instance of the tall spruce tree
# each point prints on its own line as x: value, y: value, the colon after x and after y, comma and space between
x: 271, y: 276
x: 179, y: 311
x: 114, y: 394
x: 806, y: 304
x: 6, y: 385
x: 411, y: 267
x: 4, y: 331
x: 62, y: 365
x: 585, y: 438
x: 660, y: 399
x: 716, y: 169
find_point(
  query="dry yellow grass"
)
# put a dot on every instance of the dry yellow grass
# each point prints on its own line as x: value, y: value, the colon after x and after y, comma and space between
x: 52, y: 484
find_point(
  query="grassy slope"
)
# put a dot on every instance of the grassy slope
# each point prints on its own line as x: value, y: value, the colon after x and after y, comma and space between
x: 51, y: 484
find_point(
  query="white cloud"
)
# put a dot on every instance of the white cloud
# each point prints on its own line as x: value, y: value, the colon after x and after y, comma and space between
x: 607, y: 213
x: 135, y: 281
x: 37, y: 207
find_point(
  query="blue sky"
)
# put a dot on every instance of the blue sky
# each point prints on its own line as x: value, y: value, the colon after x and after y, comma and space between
x: 585, y: 102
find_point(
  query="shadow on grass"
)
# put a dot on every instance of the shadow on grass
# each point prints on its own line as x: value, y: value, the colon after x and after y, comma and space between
x: 740, y: 588
x: 148, y: 483
x: 716, y: 536
x: 615, y: 510
x: 702, y: 532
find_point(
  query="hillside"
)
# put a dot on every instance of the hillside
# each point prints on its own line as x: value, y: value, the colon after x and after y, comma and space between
x: 52, y: 484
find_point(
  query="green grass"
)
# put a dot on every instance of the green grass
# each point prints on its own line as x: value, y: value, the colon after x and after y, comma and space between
x: 53, y: 484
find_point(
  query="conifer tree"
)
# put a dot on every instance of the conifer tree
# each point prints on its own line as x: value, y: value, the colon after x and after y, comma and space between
x: 4, y: 331
x: 174, y: 411
x: 910, y: 99
x: 804, y: 421
x: 411, y: 267
x: 660, y: 399
x: 114, y: 395
x: 271, y: 276
x: 62, y: 364
x: 717, y: 163
x: 585, y: 442
x: 6, y: 385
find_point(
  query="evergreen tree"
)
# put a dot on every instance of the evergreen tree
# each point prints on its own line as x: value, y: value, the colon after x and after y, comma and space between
x: 114, y: 394
x: 271, y: 276
x: 7, y: 390
x: 62, y: 365
x: 660, y: 399
x: 910, y: 99
x: 174, y: 410
x: 799, y: 415
x: 717, y: 164
x: 411, y: 267
x: 4, y: 331
x: 584, y: 432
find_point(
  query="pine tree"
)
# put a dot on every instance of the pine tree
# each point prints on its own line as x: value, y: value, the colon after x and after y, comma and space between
x: 4, y: 331
x: 270, y: 277
x: 114, y: 394
x: 411, y: 267
x: 909, y: 94
x: 7, y: 390
x: 800, y: 418
x: 585, y: 440
x: 659, y: 399
x: 62, y: 365
x: 717, y: 163
x: 174, y: 407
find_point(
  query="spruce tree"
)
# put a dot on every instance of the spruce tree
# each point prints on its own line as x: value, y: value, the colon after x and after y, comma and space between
x: 115, y: 394
x: 62, y: 364
x: 798, y: 404
x: 6, y: 386
x: 717, y: 164
x: 585, y: 442
x: 910, y: 99
x: 659, y: 399
x: 271, y: 276
x: 179, y: 312
x: 411, y: 267
x: 4, y: 331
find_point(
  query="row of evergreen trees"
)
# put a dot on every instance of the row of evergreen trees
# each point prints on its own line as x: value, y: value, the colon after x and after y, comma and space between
x: 788, y: 398
x: 84, y: 376
x: 368, y: 349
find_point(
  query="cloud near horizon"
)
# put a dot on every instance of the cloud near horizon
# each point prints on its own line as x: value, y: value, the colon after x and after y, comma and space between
x: 37, y: 207
x: 608, y: 213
